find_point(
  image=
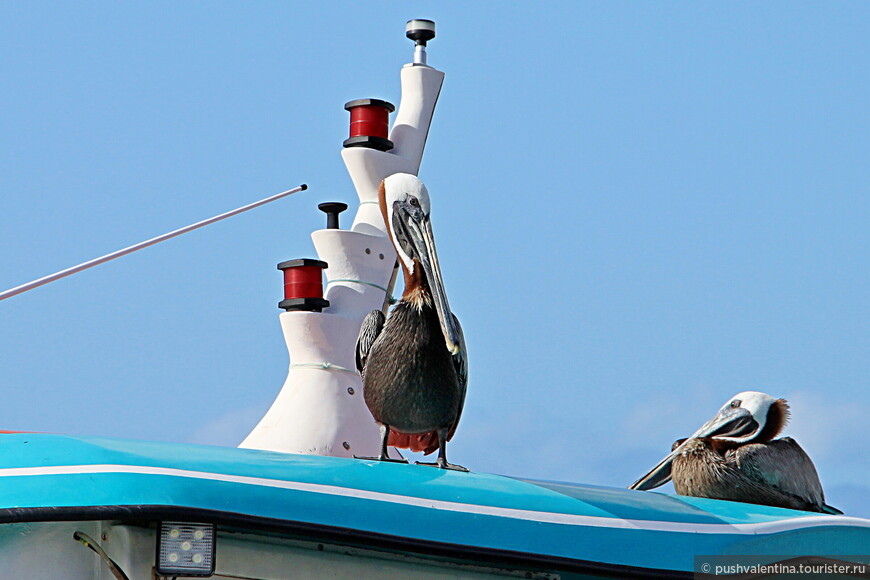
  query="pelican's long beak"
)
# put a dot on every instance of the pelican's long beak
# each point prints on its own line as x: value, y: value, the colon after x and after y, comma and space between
x: 729, y: 422
x: 424, y: 244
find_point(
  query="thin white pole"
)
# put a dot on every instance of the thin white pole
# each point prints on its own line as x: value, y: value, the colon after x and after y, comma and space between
x: 145, y: 244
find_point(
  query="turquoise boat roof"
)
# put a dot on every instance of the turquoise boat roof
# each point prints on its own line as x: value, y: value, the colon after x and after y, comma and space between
x: 48, y: 477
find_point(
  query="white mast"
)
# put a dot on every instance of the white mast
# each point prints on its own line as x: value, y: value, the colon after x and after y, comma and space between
x: 320, y: 409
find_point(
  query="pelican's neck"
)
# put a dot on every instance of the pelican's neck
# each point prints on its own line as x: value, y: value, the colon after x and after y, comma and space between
x: 382, y: 204
x: 416, y: 287
x: 721, y: 446
x: 777, y: 417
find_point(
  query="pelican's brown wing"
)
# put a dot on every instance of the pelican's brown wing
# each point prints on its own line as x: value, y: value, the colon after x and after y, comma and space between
x: 783, y: 466
x: 371, y: 328
x: 460, y: 362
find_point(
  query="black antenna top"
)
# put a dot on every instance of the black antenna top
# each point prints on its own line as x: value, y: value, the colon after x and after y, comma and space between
x: 420, y: 31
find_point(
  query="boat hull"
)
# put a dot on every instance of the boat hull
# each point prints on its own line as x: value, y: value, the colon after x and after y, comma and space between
x: 441, y: 518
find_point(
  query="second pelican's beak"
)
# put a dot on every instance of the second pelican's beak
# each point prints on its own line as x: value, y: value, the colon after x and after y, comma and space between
x: 729, y: 422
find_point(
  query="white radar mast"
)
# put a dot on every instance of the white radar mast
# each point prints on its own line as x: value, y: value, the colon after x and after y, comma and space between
x: 320, y: 409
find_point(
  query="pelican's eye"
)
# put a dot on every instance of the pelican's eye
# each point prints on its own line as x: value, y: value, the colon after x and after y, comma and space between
x: 735, y: 403
x: 413, y: 201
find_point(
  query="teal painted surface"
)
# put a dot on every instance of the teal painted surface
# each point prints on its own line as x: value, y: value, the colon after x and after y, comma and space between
x: 389, y: 514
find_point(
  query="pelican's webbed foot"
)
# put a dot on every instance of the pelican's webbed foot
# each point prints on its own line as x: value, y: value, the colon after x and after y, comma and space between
x: 442, y: 455
x: 442, y: 463
x: 383, y: 458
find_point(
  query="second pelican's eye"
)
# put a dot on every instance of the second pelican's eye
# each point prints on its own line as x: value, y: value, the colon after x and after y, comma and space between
x: 735, y: 403
x: 413, y: 201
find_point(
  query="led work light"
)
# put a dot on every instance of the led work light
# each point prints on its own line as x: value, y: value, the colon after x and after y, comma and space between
x: 185, y: 549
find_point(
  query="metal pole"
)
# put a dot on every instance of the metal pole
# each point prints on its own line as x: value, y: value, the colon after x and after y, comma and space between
x: 145, y: 244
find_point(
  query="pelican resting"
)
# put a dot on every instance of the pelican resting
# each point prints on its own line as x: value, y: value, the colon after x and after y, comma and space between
x: 734, y: 456
x: 413, y: 364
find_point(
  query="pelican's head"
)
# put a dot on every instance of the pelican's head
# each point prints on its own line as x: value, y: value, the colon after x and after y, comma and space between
x: 747, y: 417
x: 404, y: 203
x: 404, y: 200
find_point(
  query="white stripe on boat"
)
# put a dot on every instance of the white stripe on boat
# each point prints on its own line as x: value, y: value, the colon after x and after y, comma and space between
x: 519, y: 514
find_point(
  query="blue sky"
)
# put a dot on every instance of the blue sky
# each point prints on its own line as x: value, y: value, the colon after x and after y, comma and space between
x: 641, y: 210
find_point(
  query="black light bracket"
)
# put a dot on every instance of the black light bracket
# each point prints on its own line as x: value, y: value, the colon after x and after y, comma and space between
x: 332, y: 209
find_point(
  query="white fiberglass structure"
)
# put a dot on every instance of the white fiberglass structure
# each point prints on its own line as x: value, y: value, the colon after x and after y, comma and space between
x: 320, y: 409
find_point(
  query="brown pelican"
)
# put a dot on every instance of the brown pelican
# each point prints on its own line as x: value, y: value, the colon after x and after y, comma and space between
x: 413, y: 364
x: 733, y: 456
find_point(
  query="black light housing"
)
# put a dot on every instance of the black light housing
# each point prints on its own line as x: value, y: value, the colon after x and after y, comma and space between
x: 185, y: 549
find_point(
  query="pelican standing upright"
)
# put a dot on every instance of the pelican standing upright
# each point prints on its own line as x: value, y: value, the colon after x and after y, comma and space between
x: 413, y: 364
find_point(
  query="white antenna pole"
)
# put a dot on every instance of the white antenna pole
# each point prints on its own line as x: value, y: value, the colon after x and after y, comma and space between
x: 145, y: 244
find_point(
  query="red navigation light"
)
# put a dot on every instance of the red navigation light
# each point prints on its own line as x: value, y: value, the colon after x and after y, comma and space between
x: 369, y: 124
x: 303, y: 285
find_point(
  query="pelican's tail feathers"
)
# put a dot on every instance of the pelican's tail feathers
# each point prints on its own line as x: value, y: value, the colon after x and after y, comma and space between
x: 425, y: 442
x: 830, y: 510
